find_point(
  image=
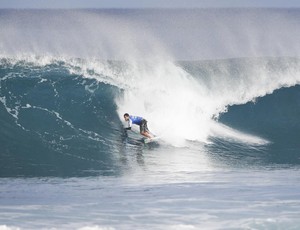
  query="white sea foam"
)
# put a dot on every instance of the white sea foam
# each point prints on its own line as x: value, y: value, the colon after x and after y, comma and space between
x: 180, y: 107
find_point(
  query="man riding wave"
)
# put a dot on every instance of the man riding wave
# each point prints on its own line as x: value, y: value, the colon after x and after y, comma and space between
x: 140, y: 121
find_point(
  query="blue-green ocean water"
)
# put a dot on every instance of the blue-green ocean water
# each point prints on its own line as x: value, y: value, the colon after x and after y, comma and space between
x: 228, y: 157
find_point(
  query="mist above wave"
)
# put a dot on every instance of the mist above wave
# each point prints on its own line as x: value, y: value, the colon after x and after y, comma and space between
x: 184, y: 34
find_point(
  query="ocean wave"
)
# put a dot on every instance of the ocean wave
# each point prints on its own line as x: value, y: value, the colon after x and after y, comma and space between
x: 72, y: 108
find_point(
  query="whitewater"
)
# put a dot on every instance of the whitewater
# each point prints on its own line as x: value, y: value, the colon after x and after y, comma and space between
x: 219, y: 86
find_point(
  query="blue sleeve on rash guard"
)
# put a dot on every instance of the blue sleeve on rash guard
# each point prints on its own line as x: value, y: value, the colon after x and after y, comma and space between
x: 136, y: 120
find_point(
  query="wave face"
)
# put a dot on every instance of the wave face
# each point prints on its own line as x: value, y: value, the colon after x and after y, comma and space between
x: 53, y: 116
x: 65, y: 85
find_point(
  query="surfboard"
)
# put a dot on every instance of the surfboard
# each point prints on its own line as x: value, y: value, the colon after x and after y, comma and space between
x: 149, y: 140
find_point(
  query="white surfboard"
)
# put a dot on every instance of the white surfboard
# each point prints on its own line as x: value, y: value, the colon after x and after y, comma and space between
x: 149, y: 140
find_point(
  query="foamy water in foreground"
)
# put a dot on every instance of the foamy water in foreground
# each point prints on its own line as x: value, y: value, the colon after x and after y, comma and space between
x: 228, y: 199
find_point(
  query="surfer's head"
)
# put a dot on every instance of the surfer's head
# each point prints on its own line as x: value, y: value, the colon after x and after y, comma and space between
x: 126, y: 116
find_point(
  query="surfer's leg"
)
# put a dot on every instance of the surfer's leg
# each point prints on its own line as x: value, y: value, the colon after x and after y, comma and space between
x: 144, y: 129
x: 145, y: 134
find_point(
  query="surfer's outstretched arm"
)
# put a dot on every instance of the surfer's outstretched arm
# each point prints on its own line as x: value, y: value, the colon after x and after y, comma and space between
x: 128, y: 122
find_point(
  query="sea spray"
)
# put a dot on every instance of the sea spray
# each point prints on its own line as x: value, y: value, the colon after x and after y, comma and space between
x: 177, y: 105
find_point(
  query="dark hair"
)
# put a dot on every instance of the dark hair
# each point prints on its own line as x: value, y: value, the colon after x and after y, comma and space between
x: 126, y: 115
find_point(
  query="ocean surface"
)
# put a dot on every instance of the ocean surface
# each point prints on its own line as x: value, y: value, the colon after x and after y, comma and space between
x: 220, y: 87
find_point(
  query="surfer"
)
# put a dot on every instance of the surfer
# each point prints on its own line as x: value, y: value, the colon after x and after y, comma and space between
x: 138, y: 121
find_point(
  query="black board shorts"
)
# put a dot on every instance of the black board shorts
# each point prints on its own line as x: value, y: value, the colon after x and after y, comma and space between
x: 143, y: 126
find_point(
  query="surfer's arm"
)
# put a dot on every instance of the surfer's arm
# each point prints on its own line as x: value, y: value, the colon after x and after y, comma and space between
x: 129, y: 123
